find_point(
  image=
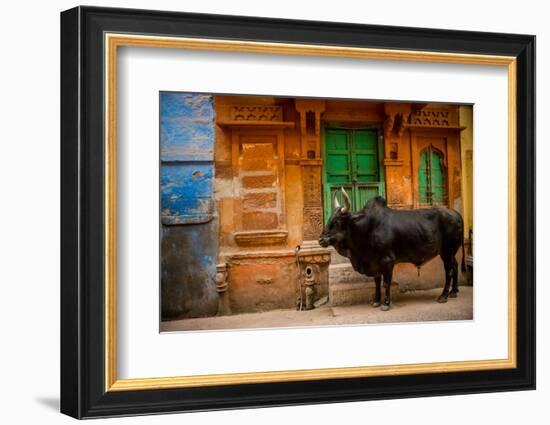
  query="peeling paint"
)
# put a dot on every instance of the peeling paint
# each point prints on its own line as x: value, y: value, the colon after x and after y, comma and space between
x: 190, y: 227
x: 186, y: 127
x: 224, y: 188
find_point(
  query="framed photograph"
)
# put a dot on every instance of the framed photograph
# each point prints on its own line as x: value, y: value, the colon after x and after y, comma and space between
x: 261, y: 212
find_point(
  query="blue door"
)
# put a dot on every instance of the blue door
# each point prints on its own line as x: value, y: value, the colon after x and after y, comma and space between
x: 189, y: 244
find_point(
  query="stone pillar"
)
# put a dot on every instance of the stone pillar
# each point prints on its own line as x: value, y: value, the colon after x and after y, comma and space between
x: 397, y: 117
x: 312, y: 163
x: 311, y: 253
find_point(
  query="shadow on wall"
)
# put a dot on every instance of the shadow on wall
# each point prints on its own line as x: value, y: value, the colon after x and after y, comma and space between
x: 188, y: 270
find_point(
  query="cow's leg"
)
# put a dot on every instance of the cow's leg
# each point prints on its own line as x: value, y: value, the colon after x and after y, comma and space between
x: 387, y: 274
x: 447, y: 262
x: 377, y: 294
x: 454, y: 290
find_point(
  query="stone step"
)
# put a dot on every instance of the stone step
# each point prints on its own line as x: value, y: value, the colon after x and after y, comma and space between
x: 347, y: 287
x: 357, y: 292
x: 430, y: 276
x: 344, y: 273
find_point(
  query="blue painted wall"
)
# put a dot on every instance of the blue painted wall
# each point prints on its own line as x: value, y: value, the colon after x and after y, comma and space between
x: 189, y: 243
x: 187, y: 192
x: 187, y: 155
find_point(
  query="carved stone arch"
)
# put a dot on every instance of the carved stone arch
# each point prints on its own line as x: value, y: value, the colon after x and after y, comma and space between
x: 435, y: 189
x: 439, y: 151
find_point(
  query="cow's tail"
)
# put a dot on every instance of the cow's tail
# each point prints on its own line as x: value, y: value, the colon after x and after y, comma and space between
x: 463, y: 257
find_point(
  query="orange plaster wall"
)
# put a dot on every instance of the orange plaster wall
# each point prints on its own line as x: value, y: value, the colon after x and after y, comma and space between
x: 353, y: 111
x: 399, y: 189
x: 266, y: 280
x: 401, y: 179
x: 263, y: 277
x: 229, y: 206
x: 262, y: 284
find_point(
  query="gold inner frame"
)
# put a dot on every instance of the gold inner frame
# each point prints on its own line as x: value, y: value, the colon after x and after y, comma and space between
x: 113, y: 41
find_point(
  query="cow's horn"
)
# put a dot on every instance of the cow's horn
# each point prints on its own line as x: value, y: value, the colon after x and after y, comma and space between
x: 336, y: 203
x: 346, y: 201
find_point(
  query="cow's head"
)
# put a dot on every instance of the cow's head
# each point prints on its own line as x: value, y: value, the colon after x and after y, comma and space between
x: 335, y: 231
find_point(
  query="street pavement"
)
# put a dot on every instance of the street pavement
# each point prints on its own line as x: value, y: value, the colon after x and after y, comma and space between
x: 416, y: 306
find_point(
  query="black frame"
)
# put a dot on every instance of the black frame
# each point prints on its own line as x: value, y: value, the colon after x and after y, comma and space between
x: 82, y: 202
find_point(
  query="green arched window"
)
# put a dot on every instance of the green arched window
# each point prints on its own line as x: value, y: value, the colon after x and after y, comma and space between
x: 431, y: 178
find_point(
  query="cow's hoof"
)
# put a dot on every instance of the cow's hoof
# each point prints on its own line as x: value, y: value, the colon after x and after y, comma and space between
x: 375, y: 303
x: 453, y: 294
x: 385, y: 307
x: 442, y: 299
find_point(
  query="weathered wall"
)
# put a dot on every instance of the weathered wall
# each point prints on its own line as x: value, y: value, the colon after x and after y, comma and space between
x: 466, y: 148
x: 257, y: 185
x: 189, y: 236
x: 258, y: 189
x: 188, y: 270
x: 262, y: 283
x: 241, y: 189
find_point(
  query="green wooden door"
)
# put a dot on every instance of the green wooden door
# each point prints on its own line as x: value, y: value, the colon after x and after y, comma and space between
x: 352, y: 159
x: 431, y: 178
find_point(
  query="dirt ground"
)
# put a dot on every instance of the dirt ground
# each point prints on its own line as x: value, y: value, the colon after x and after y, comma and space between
x: 417, y: 306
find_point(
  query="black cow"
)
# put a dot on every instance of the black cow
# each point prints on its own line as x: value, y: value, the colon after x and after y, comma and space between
x: 378, y: 237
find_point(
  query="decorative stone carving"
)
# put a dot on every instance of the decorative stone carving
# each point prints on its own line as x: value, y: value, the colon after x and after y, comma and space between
x: 312, y: 185
x: 401, y: 124
x: 388, y: 125
x: 313, y: 223
x: 433, y: 118
x: 310, y: 255
x: 310, y: 111
x: 256, y: 113
x: 397, y: 118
